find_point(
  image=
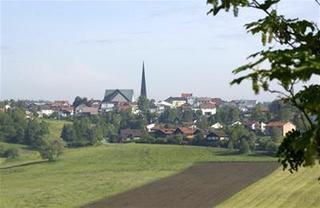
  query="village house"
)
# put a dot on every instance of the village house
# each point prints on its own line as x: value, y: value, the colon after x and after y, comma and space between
x: 186, y: 95
x: 255, y: 125
x: 85, y: 110
x: 94, y: 103
x: 217, y: 126
x: 186, y: 106
x: 217, y: 136
x: 162, y: 106
x: 159, y: 132
x: 149, y: 127
x: 7, y: 107
x: 208, y: 109
x: 236, y: 123
x: 29, y: 115
x: 130, y: 134
x: 117, y: 99
x: 283, y: 126
x: 176, y: 101
x: 188, y: 133
x: 45, y: 110
x: 217, y: 101
x: 66, y: 111
x: 58, y: 104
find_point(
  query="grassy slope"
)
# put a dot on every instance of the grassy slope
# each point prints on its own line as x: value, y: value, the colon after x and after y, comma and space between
x: 55, y: 127
x: 280, y: 189
x: 88, y: 174
x: 27, y: 154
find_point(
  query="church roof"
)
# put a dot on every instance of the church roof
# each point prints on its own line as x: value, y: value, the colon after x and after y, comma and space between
x: 111, y: 93
x: 143, y: 91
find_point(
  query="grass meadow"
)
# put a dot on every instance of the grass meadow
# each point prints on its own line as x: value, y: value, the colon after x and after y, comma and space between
x: 87, y: 174
x: 280, y: 189
x: 84, y: 175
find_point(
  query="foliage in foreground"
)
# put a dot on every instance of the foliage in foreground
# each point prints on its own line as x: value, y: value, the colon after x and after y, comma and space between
x: 294, y: 59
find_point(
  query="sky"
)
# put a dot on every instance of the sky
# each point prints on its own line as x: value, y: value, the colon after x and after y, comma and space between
x: 61, y: 49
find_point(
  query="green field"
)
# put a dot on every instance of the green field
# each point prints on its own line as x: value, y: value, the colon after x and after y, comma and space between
x: 280, y: 189
x: 55, y: 127
x: 25, y: 153
x: 88, y: 174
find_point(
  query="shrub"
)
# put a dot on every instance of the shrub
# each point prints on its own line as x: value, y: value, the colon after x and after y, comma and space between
x: 2, y: 150
x: 244, y: 147
x: 146, y: 139
x: 175, y: 139
x: 51, y: 149
x: 223, y: 143
x: 161, y: 141
x: 271, y: 147
x: 11, y: 152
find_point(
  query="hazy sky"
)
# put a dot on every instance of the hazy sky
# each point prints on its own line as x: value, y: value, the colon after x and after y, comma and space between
x: 59, y: 49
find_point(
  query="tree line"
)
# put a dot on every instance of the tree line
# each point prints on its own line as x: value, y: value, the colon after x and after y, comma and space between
x: 16, y: 128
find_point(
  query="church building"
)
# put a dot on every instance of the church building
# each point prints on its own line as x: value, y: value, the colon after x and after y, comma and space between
x: 122, y: 99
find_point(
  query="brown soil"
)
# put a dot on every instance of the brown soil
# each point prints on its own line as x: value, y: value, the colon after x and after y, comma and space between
x: 202, y: 185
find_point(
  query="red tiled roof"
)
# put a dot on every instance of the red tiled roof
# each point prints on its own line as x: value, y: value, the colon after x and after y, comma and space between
x: 186, y: 95
x: 125, y: 133
x: 90, y: 110
x: 166, y: 131
x: 208, y: 105
x: 186, y: 130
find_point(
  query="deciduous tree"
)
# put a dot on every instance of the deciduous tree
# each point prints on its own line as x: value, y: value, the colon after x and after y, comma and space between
x: 294, y: 59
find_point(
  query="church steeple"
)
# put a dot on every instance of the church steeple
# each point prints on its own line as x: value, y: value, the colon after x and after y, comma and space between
x: 143, y: 91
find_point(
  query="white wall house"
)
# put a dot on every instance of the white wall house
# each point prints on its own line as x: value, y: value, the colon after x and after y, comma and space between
x: 217, y: 126
x: 150, y: 127
x: 7, y: 107
x: 106, y: 107
x: 208, y: 109
x: 45, y: 112
x: 162, y: 105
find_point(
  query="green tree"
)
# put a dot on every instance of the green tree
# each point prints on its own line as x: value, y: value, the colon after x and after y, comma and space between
x: 294, y: 59
x: 143, y: 105
x: 34, y: 132
x: 271, y: 147
x: 276, y: 134
x: 258, y: 114
x: 202, y: 123
x: 51, y: 149
x: 228, y: 114
x: 175, y: 139
x: 187, y: 115
x: 169, y: 116
x: 244, y: 147
x: 282, y: 111
x: 69, y: 135
x: 11, y: 152
x: 198, y: 139
x: 95, y: 135
x: 81, y: 127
